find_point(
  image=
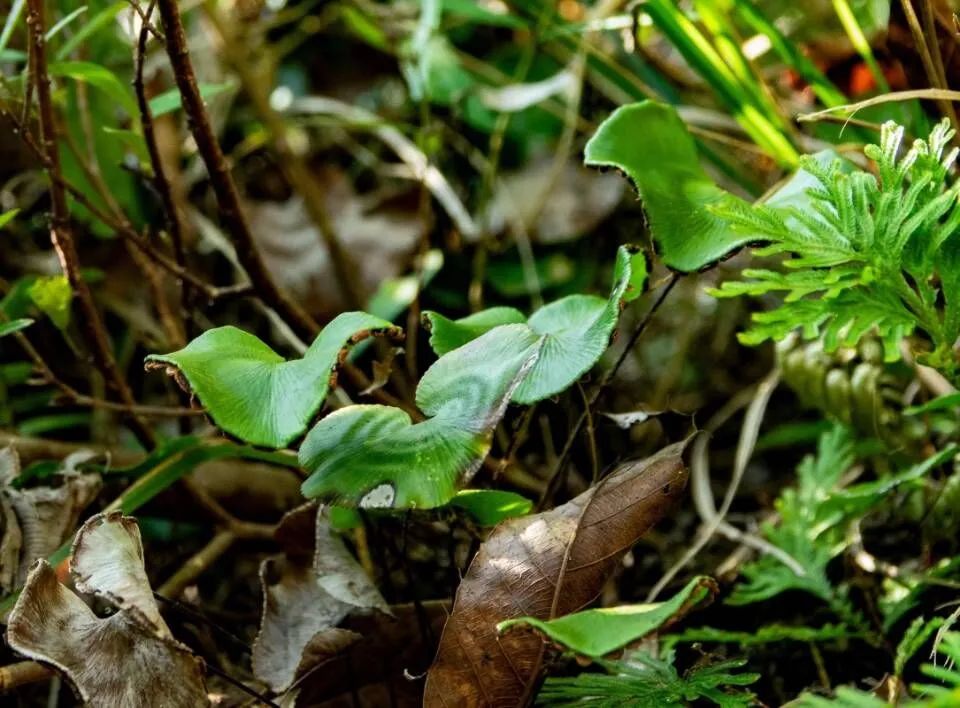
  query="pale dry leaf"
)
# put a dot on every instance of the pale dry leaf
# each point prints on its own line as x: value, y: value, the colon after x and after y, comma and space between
x: 107, y: 561
x: 11, y: 542
x: 380, y: 238
x: 569, y: 207
x: 338, y: 572
x: 544, y: 566
x: 627, y: 420
x: 126, y: 660
x: 37, y: 520
x: 517, y: 97
x: 305, y: 597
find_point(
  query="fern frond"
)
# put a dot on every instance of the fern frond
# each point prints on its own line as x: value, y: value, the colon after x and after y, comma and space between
x: 881, y: 248
x: 639, y: 681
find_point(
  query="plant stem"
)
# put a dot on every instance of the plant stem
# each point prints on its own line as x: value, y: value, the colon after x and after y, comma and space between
x: 290, y: 160
x: 225, y: 189
x: 62, y: 236
x: 160, y: 181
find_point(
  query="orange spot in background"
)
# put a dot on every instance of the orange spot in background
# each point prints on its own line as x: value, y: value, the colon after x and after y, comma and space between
x: 570, y: 10
x: 861, y: 80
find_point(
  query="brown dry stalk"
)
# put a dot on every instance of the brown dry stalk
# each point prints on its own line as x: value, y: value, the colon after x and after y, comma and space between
x: 62, y: 236
x: 290, y: 160
x: 160, y: 181
x: 228, y: 197
x: 932, y: 66
x: 14, y: 676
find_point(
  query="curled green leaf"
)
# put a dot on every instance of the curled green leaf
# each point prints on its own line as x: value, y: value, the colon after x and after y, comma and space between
x: 596, y: 633
x: 491, y: 506
x: 649, y: 143
x: 376, y: 457
x: 574, y: 331
x: 250, y: 391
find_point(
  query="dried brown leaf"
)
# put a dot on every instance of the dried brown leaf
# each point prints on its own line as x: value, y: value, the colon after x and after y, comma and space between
x: 544, y: 566
x: 37, y: 520
x: 305, y: 597
x: 381, y: 236
x: 128, y: 659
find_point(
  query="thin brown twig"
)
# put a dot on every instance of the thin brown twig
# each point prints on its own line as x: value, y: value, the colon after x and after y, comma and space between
x: 194, y: 566
x: 160, y: 181
x: 291, y: 161
x: 239, y: 527
x: 90, y: 165
x: 145, y: 20
x: 124, y: 228
x: 930, y: 30
x: 62, y: 236
x: 557, y: 474
x: 929, y: 64
x: 81, y: 399
x: 221, y: 180
x: 28, y: 85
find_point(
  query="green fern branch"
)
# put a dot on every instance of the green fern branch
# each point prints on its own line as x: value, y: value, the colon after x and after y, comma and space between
x: 865, y: 252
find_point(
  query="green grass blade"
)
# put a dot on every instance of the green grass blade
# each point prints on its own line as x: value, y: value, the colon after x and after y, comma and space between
x: 824, y: 89
x: 715, y: 15
x: 705, y: 60
x: 859, y: 41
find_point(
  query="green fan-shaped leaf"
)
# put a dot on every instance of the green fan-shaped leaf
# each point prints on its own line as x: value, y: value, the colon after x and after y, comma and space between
x: 376, y: 457
x: 250, y: 391
x: 575, y: 330
x: 447, y: 335
x: 596, y: 633
x: 651, y: 145
x: 491, y: 506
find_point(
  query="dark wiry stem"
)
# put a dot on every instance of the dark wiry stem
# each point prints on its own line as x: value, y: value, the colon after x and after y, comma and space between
x: 160, y: 181
x: 231, y: 213
x: 62, y: 236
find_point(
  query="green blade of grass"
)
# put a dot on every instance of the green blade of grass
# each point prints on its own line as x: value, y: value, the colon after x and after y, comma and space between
x: 824, y: 89
x: 705, y: 60
x: 859, y: 41
x: 12, y: 19
x: 715, y: 15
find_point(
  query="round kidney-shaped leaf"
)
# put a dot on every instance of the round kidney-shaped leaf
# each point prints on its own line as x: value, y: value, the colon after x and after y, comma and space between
x: 251, y: 392
x: 649, y: 143
x: 376, y: 457
x: 574, y: 331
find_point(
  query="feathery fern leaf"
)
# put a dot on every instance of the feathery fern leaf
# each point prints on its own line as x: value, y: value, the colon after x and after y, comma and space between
x: 865, y: 252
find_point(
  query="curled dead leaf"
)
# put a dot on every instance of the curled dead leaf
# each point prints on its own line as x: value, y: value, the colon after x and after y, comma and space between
x: 383, y: 235
x: 570, y: 203
x: 544, y: 566
x: 35, y: 521
x: 127, y: 659
x: 307, y: 592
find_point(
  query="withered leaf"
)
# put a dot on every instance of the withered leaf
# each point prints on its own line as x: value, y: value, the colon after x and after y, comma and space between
x: 381, y: 233
x: 37, y: 520
x: 558, y: 207
x: 128, y: 659
x: 544, y: 566
x: 305, y: 596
